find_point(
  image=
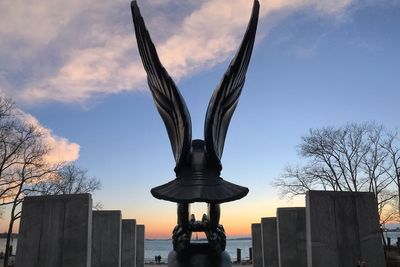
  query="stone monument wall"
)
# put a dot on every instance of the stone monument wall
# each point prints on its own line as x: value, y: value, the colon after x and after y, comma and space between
x: 106, y: 238
x: 128, y: 243
x: 140, y: 235
x: 55, y: 231
x: 269, y: 242
x: 343, y: 229
x: 257, y: 245
x: 292, y: 242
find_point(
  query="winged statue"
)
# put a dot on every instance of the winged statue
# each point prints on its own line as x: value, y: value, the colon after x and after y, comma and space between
x: 198, y: 162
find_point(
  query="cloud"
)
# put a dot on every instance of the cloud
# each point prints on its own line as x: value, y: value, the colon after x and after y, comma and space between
x: 61, y: 149
x: 321, y: 6
x: 75, y: 51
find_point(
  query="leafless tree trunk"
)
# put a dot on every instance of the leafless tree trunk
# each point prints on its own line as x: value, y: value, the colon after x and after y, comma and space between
x: 14, y: 217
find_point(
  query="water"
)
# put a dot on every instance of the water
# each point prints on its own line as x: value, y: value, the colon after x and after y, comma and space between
x: 3, y: 242
x: 163, y: 247
x: 393, y: 236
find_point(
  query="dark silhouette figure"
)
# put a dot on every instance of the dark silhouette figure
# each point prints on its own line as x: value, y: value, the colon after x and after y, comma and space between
x: 198, y: 162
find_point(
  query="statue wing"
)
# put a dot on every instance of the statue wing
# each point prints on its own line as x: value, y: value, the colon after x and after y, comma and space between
x: 226, y: 96
x: 167, y: 98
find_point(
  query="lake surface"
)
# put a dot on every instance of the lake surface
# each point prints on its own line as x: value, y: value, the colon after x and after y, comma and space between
x: 163, y: 247
x: 3, y: 242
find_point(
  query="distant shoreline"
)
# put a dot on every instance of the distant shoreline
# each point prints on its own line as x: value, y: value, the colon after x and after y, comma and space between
x: 14, y: 235
x: 4, y: 235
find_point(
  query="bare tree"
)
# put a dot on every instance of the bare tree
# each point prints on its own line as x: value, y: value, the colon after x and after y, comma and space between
x: 21, y: 160
x: 69, y: 179
x: 25, y: 171
x: 392, y: 146
x: 6, y: 107
x: 28, y: 168
x: 36, y: 177
x: 355, y: 157
x: 11, y: 142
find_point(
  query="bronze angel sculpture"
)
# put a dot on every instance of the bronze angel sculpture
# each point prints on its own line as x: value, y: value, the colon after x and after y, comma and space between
x: 198, y: 162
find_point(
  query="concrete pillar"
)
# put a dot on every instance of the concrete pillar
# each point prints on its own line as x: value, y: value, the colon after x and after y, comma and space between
x: 238, y: 255
x: 257, y: 245
x: 55, y: 231
x: 343, y: 229
x: 139, y: 245
x: 269, y: 242
x: 128, y: 243
x: 292, y: 243
x: 106, y: 238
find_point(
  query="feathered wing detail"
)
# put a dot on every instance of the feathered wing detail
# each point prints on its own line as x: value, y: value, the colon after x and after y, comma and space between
x: 167, y: 98
x: 226, y: 96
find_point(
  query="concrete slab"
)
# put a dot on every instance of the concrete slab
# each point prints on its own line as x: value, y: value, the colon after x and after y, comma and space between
x: 106, y: 238
x: 128, y: 243
x: 257, y: 245
x: 269, y: 242
x: 343, y: 229
x: 55, y: 231
x: 292, y: 243
x: 140, y: 245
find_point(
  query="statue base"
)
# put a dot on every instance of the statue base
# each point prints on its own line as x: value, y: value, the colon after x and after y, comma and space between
x: 199, y: 255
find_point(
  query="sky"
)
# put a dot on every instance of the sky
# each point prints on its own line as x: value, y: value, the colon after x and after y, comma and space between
x: 73, y: 68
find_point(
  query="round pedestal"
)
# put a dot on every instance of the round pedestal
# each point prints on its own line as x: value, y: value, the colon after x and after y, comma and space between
x: 199, y: 255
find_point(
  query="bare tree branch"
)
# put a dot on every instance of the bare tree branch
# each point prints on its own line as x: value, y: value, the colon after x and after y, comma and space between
x: 355, y: 157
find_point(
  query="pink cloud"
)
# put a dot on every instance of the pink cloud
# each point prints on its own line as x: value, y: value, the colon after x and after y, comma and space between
x: 61, y: 149
x: 103, y: 59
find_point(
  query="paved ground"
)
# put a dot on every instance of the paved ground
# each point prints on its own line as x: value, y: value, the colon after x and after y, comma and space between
x: 233, y: 265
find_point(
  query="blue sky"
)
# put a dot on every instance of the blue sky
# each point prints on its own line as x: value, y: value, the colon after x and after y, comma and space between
x: 75, y: 68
